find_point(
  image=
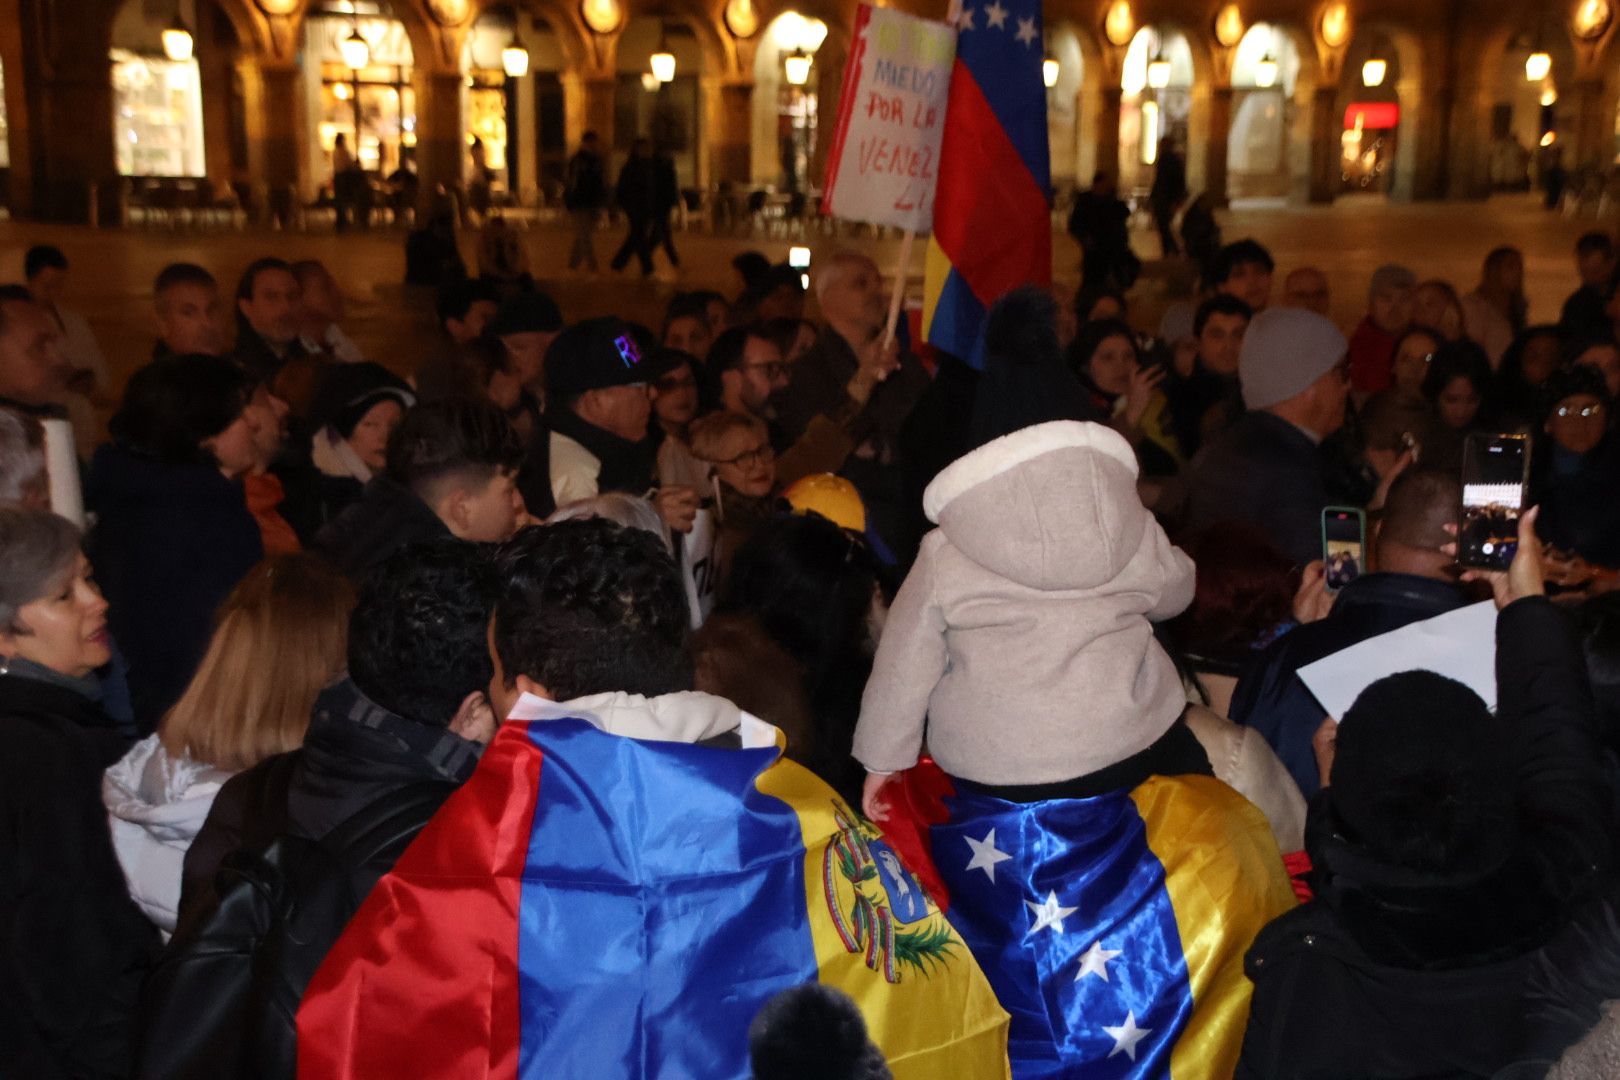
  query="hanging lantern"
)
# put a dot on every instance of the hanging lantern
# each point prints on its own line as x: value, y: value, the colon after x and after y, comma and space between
x: 1373, y: 72
x: 1549, y: 96
x: 515, y: 59
x: 355, y: 51
x: 1158, y: 73
x: 662, y: 62
x: 177, y: 41
x: 1050, y: 70
x: 1537, y: 66
x: 1265, y: 72
x: 797, y: 66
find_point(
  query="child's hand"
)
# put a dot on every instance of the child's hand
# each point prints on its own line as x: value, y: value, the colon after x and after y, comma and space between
x: 873, y: 805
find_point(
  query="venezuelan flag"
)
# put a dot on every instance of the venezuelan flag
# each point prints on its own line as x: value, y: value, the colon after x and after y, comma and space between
x: 992, y: 205
x: 1113, y: 928
x: 590, y: 905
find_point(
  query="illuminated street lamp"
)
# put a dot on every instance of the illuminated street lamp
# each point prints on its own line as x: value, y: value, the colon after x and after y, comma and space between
x: 354, y: 49
x: 662, y: 62
x: 515, y: 58
x: 1265, y: 72
x: 1537, y: 66
x: 1373, y: 72
x: 177, y: 41
x: 1050, y: 70
x: 1158, y: 72
x: 796, y: 65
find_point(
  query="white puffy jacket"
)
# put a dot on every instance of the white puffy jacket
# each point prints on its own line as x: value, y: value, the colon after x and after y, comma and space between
x: 156, y: 803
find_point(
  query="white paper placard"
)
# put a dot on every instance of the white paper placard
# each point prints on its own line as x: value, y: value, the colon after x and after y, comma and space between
x: 1460, y: 645
x: 62, y: 470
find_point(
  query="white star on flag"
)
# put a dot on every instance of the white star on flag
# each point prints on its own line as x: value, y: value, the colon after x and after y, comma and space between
x: 1095, y: 962
x: 985, y: 855
x: 1048, y: 913
x: 1026, y: 31
x: 964, y: 21
x: 996, y: 16
x: 1126, y: 1036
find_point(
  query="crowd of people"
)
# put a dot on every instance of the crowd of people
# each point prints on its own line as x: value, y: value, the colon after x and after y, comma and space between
x: 580, y: 692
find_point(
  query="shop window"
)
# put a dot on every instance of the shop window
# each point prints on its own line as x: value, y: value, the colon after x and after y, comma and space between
x: 157, y: 116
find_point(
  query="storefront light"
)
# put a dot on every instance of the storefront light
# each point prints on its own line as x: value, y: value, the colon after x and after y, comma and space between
x: 515, y: 59
x: 1265, y: 73
x: 177, y: 41
x: 1050, y: 70
x: 1549, y: 96
x: 796, y: 65
x: 354, y: 50
x: 342, y: 91
x: 1537, y: 66
x: 1549, y: 138
x: 663, y: 66
x: 1373, y: 72
x: 649, y: 81
x: 812, y: 34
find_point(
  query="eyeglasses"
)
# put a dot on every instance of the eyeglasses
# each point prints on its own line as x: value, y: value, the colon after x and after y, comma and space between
x: 1585, y: 412
x: 759, y: 455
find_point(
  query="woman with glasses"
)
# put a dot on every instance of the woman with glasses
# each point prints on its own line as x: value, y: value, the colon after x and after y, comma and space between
x: 737, y: 448
x: 1576, y: 473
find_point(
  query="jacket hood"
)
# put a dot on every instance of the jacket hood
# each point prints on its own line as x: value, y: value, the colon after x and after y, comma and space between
x: 164, y: 795
x: 686, y: 717
x: 1051, y: 507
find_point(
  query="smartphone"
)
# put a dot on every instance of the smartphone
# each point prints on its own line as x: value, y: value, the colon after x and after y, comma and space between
x: 1494, y: 471
x: 1344, y: 545
x: 799, y: 259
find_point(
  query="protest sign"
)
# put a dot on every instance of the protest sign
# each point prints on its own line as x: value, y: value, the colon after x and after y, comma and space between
x: 891, y: 116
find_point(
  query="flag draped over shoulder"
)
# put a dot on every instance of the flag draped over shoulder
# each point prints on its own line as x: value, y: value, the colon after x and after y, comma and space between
x: 1112, y: 928
x: 992, y: 222
x: 591, y: 905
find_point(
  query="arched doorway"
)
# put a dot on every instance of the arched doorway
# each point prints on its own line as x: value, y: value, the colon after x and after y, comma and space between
x: 1265, y: 116
x: 1531, y: 119
x: 646, y: 107
x: 372, y: 106
x: 786, y: 104
x: 1064, y: 124
x: 157, y: 101
x: 1157, y: 81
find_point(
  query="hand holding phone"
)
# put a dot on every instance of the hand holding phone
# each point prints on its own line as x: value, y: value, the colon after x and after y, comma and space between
x: 1344, y: 545
x: 1494, y: 473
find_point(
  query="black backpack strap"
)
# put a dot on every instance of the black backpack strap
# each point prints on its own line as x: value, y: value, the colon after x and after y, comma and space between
x: 384, y: 822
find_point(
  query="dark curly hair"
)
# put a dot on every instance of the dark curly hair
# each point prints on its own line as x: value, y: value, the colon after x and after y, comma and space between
x: 453, y: 438
x: 1244, y: 591
x: 589, y: 607
x: 418, y: 640
x: 171, y: 405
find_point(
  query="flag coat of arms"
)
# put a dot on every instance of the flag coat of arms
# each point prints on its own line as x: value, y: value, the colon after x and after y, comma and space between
x: 992, y: 207
x: 593, y: 905
x: 1113, y: 928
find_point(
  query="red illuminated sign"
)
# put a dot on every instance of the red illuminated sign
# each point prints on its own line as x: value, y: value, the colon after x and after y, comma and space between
x: 1375, y: 115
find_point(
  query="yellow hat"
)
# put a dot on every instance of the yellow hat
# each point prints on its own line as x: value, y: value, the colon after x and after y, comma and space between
x: 833, y: 497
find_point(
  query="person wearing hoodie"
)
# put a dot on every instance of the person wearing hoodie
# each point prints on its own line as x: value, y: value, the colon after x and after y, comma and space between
x: 356, y: 409
x: 633, y: 865
x: 173, y: 531
x: 410, y: 717
x: 1373, y: 343
x: 74, y: 948
x: 1451, y: 853
x: 279, y: 641
x: 452, y: 470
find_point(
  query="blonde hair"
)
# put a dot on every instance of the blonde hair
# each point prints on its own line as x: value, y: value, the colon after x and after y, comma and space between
x: 711, y: 433
x: 281, y: 636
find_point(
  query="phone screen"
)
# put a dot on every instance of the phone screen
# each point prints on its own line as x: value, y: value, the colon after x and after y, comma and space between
x: 1344, y: 544
x: 1493, y: 475
x: 799, y: 258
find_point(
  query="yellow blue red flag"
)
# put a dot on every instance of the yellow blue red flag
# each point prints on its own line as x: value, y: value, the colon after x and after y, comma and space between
x: 590, y: 905
x: 992, y: 207
x: 1113, y: 928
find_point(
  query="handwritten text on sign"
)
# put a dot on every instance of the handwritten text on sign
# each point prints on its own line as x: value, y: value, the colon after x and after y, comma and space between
x: 891, y: 117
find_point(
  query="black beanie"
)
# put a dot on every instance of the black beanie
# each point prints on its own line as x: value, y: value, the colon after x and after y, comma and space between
x: 1025, y: 381
x: 348, y: 391
x: 1421, y: 775
x: 813, y: 1032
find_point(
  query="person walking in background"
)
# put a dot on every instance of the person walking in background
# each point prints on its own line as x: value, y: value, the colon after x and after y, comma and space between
x: 584, y: 195
x: 1168, y: 192
x: 666, y: 197
x: 1099, y: 223
x: 637, y: 195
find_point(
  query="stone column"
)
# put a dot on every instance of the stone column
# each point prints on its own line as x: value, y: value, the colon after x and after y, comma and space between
x: 281, y: 136
x: 441, y: 146
x: 1326, y: 124
x: 1594, y: 123
x: 729, y: 144
x: 215, y: 66
x: 73, y: 113
x: 598, y: 111
x: 1217, y: 148
x: 1108, y: 133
